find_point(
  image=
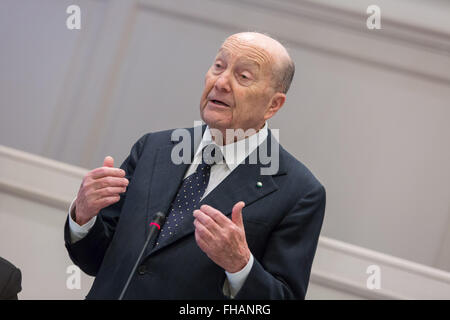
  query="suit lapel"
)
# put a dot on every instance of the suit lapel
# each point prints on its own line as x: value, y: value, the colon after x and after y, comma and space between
x: 168, y: 176
x: 165, y: 182
x: 239, y: 185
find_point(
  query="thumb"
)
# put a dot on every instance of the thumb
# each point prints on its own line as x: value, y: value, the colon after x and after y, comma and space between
x: 108, y: 162
x: 236, y: 214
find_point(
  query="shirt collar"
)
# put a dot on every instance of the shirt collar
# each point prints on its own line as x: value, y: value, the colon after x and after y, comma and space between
x: 236, y: 152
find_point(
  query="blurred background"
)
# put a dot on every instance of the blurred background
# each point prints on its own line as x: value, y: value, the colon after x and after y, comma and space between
x: 368, y: 112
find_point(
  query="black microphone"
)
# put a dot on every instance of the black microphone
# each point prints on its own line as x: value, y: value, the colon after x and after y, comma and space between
x: 155, y: 227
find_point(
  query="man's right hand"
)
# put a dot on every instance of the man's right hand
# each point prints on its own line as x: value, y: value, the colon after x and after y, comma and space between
x: 100, y: 188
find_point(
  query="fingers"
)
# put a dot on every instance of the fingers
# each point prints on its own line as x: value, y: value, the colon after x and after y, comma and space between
x: 236, y: 214
x: 215, y: 214
x: 201, y: 242
x: 202, y: 232
x: 108, y: 162
x: 100, y: 188
x: 108, y: 192
x: 206, y: 222
x: 221, y: 219
x: 216, y: 222
x: 109, y: 182
x: 106, y: 201
x: 106, y: 172
x: 221, y: 239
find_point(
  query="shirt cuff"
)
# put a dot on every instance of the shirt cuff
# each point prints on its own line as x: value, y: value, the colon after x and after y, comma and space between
x: 78, y: 232
x: 236, y: 280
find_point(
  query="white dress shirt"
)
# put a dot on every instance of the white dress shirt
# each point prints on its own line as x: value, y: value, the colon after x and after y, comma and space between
x: 234, y: 154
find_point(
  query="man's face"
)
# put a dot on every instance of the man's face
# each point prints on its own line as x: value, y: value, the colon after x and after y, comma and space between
x: 238, y: 87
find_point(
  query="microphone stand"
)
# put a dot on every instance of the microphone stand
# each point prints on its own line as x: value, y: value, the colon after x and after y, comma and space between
x: 155, y: 226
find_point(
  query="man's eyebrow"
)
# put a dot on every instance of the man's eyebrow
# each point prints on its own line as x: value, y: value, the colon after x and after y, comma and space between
x: 246, y: 61
x: 243, y: 60
x: 223, y: 51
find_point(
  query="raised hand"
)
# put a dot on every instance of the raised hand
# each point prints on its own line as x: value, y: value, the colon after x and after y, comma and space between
x: 223, y: 240
x: 100, y: 188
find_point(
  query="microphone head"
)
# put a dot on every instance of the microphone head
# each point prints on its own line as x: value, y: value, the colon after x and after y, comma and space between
x: 159, y: 218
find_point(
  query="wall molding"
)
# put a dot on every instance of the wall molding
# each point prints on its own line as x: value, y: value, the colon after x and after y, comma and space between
x: 400, y: 278
x: 335, y: 15
x: 39, y: 179
x: 339, y: 32
x: 337, y: 264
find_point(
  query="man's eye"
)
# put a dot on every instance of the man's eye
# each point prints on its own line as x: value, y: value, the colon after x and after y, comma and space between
x: 218, y: 65
x: 243, y: 76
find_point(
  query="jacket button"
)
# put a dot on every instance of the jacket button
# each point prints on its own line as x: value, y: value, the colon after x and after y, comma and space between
x: 142, y: 269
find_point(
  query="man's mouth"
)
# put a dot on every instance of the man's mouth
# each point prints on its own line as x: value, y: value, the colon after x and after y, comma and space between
x: 220, y: 103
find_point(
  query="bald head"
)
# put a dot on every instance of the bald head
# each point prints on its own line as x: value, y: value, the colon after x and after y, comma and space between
x: 283, y: 67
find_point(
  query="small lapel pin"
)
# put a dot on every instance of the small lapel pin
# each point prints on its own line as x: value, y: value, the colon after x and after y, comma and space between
x: 259, y: 184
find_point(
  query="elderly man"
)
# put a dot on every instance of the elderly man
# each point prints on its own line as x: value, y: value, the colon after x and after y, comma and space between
x: 231, y: 231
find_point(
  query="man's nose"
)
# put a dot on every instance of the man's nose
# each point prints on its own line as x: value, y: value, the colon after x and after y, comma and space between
x: 223, y: 82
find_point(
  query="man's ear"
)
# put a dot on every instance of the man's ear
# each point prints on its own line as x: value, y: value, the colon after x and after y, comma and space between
x: 276, y: 103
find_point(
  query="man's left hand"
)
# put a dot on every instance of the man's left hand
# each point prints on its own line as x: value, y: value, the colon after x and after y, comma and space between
x: 223, y: 240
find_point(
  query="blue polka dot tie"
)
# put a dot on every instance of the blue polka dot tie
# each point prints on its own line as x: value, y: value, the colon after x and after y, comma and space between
x: 188, y: 197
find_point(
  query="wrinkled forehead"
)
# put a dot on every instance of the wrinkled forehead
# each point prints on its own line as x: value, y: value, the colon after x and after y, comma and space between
x: 247, y: 49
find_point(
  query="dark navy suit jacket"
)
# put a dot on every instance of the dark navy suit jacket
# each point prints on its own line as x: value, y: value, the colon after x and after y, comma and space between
x: 10, y: 280
x: 282, y: 221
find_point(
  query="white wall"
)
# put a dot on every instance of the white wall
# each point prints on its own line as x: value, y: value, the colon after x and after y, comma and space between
x: 367, y: 112
x: 35, y: 194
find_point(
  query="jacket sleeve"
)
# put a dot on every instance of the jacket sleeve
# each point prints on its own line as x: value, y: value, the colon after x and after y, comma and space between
x: 283, y: 271
x: 10, y: 280
x: 88, y: 252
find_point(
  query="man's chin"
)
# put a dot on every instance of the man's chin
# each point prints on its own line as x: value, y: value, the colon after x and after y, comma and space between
x: 215, y: 120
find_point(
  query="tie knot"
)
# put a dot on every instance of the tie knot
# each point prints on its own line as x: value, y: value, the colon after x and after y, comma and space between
x: 212, y: 155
